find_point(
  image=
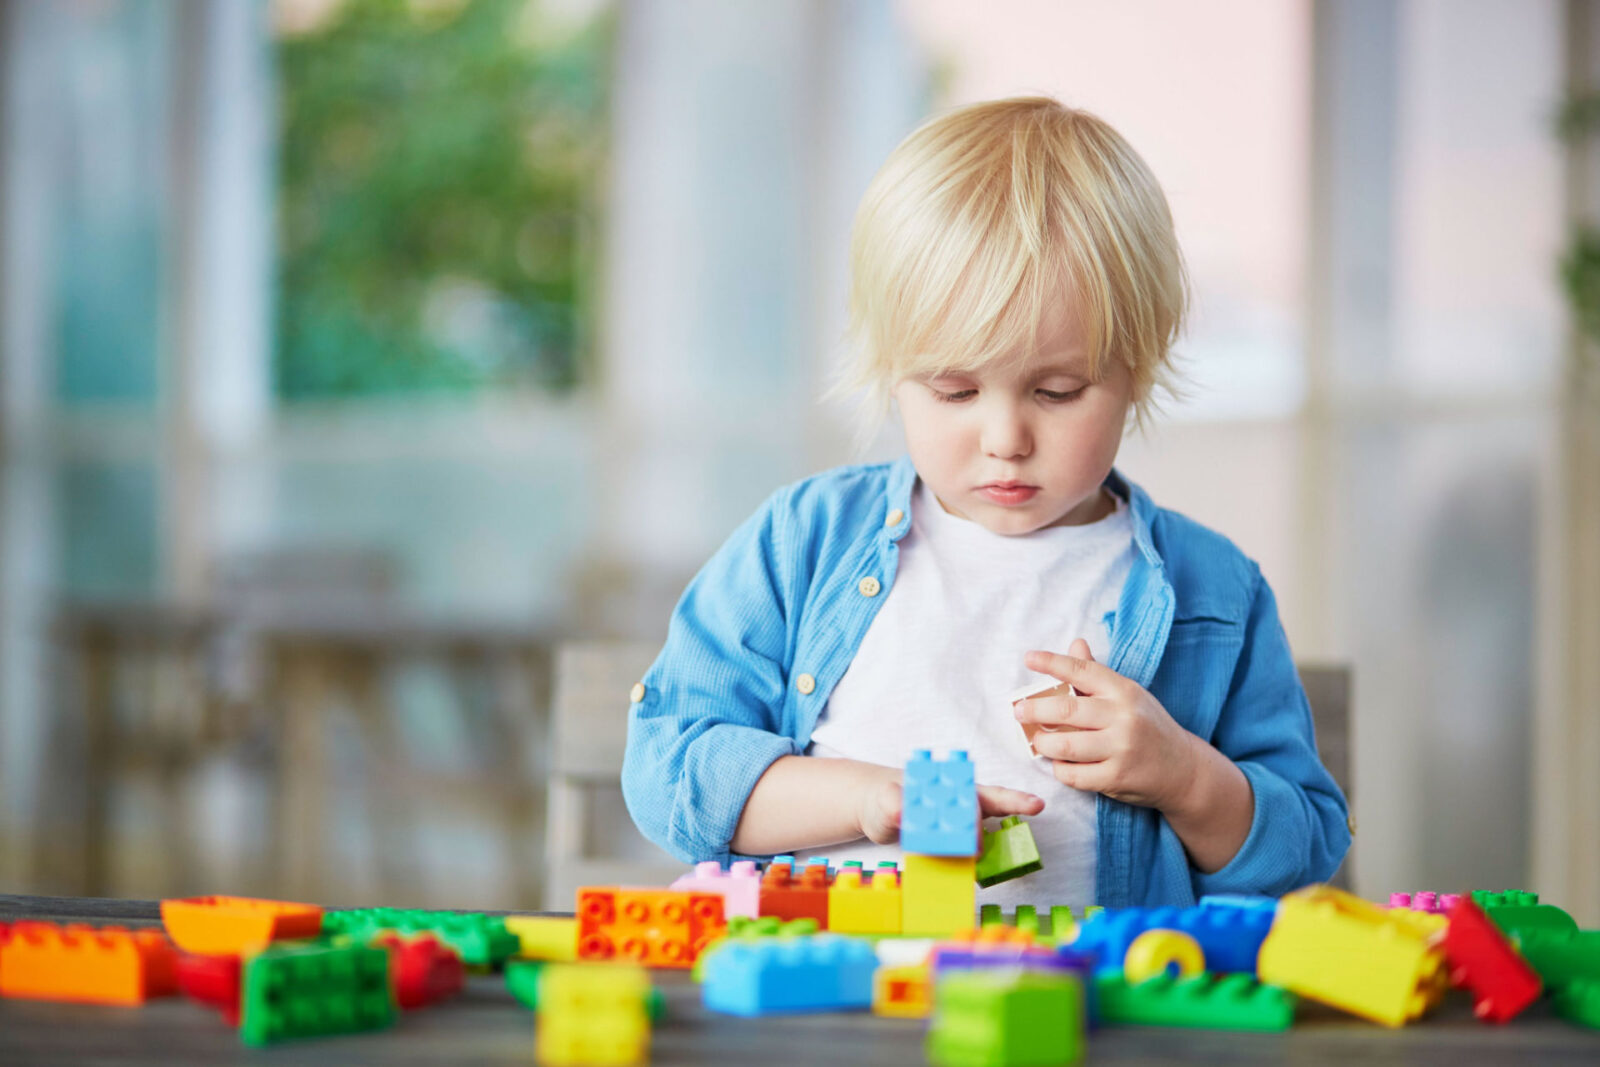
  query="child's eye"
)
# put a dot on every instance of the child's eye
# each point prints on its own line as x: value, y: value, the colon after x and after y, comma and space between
x: 954, y: 397
x: 1061, y: 398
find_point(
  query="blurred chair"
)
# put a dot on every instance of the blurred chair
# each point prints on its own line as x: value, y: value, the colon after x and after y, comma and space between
x: 1328, y: 689
x: 588, y: 731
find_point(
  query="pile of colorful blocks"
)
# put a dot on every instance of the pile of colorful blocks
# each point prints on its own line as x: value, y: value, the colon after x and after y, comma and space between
x: 903, y: 943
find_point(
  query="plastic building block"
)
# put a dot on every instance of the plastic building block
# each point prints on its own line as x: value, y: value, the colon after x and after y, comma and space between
x: 226, y: 926
x: 1007, y: 1019
x: 1063, y: 927
x: 1579, y: 1002
x: 1212, y: 1002
x: 656, y: 927
x: 1357, y: 956
x: 903, y: 951
x: 1484, y: 962
x: 1008, y: 852
x: 1229, y: 937
x: 995, y: 945
x: 870, y: 907
x: 902, y: 992
x: 522, y: 980
x: 1531, y: 918
x: 423, y: 968
x: 1433, y: 903
x: 938, y: 895
x: 740, y: 886
x: 1158, y: 952
x: 89, y: 964
x: 593, y: 1014
x: 213, y: 981
x: 940, y: 812
x: 741, y: 928
x: 294, y: 990
x: 1562, y: 958
x: 544, y: 937
x: 827, y: 972
x: 789, y: 896
x: 1242, y: 901
x: 1519, y: 898
x: 481, y: 940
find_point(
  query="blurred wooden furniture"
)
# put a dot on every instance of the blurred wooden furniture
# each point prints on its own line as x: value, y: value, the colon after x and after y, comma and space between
x: 588, y: 731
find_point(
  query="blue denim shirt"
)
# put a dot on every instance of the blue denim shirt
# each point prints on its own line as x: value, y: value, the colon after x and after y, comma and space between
x: 769, y: 625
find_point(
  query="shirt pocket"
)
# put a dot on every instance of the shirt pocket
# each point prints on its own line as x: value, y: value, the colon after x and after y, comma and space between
x: 1196, y: 671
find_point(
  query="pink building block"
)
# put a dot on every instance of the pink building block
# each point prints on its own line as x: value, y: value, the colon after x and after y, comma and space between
x: 740, y: 886
x: 1433, y: 903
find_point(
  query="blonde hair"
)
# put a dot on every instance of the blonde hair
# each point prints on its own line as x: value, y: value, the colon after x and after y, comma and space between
x: 986, y: 214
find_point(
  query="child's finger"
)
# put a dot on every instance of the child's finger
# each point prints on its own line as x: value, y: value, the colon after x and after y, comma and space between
x: 1080, y: 649
x: 1065, y: 710
x: 997, y: 800
x: 1084, y: 675
x: 1088, y: 777
x: 1076, y: 746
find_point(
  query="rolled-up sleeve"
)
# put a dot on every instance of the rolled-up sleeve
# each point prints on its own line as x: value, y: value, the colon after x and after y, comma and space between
x: 708, y: 723
x: 1300, y: 831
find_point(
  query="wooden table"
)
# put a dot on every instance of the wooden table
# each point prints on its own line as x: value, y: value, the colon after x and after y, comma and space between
x: 486, y: 1026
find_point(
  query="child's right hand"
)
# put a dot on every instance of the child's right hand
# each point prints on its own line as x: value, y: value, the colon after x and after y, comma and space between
x: 882, y: 802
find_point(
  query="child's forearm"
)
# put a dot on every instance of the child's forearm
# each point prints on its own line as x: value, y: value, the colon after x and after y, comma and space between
x: 1214, y: 815
x: 807, y: 802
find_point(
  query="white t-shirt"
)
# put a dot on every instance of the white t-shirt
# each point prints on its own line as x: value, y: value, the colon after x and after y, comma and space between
x: 944, y: 653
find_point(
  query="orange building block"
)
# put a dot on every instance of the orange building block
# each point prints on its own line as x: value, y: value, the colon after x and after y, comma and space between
x: 94, y: 965
x: 788, y: 897
x: 655, y: 927
x: 230, y: 926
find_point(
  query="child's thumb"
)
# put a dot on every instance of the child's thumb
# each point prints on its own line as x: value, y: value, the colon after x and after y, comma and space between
x: 1080, y: 650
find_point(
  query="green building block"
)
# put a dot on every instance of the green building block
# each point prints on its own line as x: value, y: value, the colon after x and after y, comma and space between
x: 1006, y: 1018
x: 1026, y: 917
x: 1531, y: 918
x: 991, y: 915
x: 1008, y: 852
x: 1561, y: 958
x: 306, y: 990
x: 1579, y: 1002
x: 1511, y: 897
x: 482, y: 940
x: 1206, y: 1001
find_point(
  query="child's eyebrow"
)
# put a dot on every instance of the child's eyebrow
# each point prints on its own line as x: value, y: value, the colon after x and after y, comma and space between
x: 1076, y: 367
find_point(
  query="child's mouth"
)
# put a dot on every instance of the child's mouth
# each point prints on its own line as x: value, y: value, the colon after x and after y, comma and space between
x: 1009, y: 494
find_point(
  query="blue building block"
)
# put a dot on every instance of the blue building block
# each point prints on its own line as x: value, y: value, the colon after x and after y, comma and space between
x: 1244, y: 901
x: 940, y: 816
x: 1230, y: 937
x: 791, y: 975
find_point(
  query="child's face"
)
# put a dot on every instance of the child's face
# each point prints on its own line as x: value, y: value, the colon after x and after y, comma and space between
x: 1023, y: 443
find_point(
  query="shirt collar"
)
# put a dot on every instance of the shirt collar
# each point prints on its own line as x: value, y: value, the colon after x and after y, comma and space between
x: 903, y: 477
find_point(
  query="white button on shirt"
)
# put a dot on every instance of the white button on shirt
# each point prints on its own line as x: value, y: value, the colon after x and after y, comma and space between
x: 939, y: 661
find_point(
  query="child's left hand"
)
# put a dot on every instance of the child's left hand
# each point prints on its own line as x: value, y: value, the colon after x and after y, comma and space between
x: 1111, y: 736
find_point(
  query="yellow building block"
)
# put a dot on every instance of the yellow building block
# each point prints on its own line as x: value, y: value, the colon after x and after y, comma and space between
x: 873, y: 908
x: 938, y: 895
x: 902, y: 992
x: 1336, y: 948
x: 545, y: 937
x: 593, y: 1014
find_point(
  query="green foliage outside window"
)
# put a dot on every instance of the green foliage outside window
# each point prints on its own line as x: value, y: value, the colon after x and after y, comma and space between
x: 440, y: 175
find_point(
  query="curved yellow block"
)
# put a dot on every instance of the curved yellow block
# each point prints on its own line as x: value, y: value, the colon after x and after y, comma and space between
x: 1153, y: 951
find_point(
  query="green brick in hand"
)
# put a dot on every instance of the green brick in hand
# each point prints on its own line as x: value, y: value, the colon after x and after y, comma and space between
x: 1008, y: 852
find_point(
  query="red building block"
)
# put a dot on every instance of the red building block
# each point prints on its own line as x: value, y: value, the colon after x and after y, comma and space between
x: 655, y: 927
x: 212, y: 981
x: 424, y: 969
x: 1483, y: 961
x: 787, y: 897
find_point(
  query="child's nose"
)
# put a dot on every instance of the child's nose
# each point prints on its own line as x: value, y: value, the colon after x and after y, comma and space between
x: 1006, y: 435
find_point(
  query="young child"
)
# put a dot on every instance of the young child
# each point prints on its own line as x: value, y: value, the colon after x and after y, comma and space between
x: 1016, y: 287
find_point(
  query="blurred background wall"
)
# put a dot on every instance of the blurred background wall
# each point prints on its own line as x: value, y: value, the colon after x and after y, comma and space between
x: 358, y: 353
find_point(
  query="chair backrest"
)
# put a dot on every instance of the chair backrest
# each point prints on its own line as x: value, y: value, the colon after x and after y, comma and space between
x: 1328, y: 689
x: 588, y: 733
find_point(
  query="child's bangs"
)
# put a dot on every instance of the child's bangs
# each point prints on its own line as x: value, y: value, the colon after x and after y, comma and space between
x: 986, y: 310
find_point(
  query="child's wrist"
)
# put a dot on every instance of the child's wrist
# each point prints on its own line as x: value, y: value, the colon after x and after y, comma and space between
x: 1193, y: 798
